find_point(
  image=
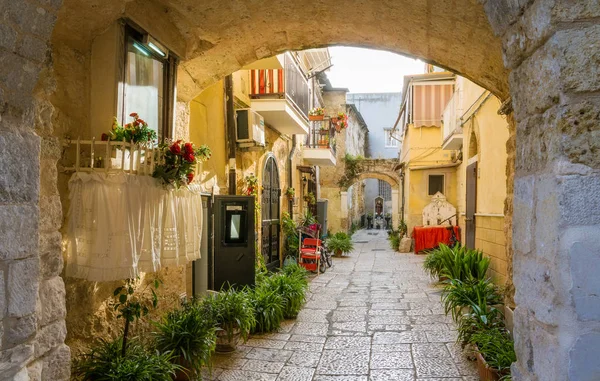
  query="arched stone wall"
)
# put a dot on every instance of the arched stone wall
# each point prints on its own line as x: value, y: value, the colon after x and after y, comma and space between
x: 550, y: 48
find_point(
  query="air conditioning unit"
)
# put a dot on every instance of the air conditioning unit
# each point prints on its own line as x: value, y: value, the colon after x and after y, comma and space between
x: 250, y: 128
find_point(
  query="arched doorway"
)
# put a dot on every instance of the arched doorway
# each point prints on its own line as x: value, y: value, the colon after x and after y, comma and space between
x: 270, y: 209
x: 465, y: 36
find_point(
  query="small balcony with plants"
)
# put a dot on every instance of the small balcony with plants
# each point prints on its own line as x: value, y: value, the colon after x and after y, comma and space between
x: 279, y: 91
x: 320, y: 146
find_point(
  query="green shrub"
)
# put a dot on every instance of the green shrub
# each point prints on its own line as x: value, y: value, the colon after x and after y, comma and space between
x: 232, y: 310
x: 293, y: 291
x: 394, y: 239
x: 497, y: 348
x: 462, y: 263
x: 481, y: 317
x: 298, y: 272
x: 340, y: 243
x: 458, y: 295
x: 105, y: 362
x: 433, y: 264
x: 268, y: 308
x: 189, y: 333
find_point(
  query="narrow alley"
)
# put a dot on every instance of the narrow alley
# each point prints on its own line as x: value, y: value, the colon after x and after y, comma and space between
x: 373, y: 316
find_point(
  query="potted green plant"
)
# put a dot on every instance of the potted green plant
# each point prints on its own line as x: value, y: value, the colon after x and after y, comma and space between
x: 495, y: 353
x: 292, y: 287
x: 106, y: 361
x: 290, y: 192
x: 269, y: 307
x: 189, y: 333
x: 340, y: 243
x: 234, y: 316
x: 317, y: 113
x: 388, y: 218
x: 310, y: 198
x: 369, y: 220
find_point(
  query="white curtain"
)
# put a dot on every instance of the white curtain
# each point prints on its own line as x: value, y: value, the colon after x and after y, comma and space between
x: 120, y: 225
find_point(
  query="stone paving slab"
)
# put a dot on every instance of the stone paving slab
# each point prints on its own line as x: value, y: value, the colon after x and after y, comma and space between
x: 373, y: 316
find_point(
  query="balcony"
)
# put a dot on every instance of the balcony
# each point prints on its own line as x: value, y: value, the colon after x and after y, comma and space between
x: 281, y: 96
x: 320, y: 144
x: 452, y: 138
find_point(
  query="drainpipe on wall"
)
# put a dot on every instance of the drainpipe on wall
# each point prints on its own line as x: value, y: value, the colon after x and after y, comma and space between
x: 290, y: 174
x: 402, y: 187
x: 230, y: 123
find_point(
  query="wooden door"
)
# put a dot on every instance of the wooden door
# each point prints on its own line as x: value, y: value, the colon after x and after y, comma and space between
x: 471, y: 206
x: 270, y: 210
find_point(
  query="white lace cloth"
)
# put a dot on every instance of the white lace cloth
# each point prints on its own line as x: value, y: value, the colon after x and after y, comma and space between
x: 121, y: 225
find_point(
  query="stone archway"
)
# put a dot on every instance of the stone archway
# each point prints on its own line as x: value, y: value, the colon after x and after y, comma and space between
x: 550, y: 48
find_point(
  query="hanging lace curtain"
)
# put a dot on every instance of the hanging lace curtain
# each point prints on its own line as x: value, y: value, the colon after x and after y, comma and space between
x: 120, y: 225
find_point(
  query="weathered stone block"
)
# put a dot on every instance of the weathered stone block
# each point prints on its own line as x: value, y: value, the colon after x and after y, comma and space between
x: 405, y: 245
x: 2, y: 300
x: 31, y: 18
x: 12, y: 359
x: 51, y: 258
x: 18, y: 231
x: 33, y: 48
x: 8, y: 37
x: 22, y: 287
x: 549, y: 362
x: 547, y: 209
x: 49, y: 337
x: 19, y: 156
x: 534, y: 87
x: 583, y: 356
x: 572, y: 10
x: 580, y: 131
x: 34, y: 371
x: 52, y: 300
x: 57, y: 364
x: 581, y: 54
x: 19, y: 330
x: 19, y: 77
x: 51, y: 219
x: 580, y: 200
x: 582, y: 245
x: 501, y: 14
x: 528, y: 33
x: 523, y: 214
x: 538, y: 142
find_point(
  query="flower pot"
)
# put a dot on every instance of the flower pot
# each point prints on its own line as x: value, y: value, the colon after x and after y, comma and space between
x: 184, y: 374
x: 337, y: 253
x: 316, y: 117
x: 485, y: 372
x: 227, y: 343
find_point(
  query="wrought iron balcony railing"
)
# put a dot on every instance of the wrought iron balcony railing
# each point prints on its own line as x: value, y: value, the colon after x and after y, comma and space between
x: 322, y: 135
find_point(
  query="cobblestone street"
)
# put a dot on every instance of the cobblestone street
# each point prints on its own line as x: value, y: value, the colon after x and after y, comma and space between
x: 373, y: 316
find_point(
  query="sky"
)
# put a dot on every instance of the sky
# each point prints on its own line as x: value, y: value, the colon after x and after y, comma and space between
x: 370, y: 71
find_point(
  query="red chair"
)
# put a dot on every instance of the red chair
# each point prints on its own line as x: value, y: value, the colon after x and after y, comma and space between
x: 310, y: 254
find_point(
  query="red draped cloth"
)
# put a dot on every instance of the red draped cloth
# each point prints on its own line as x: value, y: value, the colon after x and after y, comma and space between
x: 428, y: 237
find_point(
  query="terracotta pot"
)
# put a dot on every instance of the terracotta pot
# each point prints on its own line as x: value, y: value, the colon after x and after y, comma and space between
x: 225, y: 343
x: 185, y: 374
x: 338, y: 253
x: 316, y: 117
x: 485, y: 372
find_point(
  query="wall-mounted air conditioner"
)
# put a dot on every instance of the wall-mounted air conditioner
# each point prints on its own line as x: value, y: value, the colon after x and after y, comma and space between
x: 250, y: 128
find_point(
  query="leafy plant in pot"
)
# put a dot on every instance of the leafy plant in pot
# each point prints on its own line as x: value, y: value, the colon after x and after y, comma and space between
x: 495, y: 353
x: 268, y: 306
x: 292, y: 288
x: 188, y: 333
x: 234, y: 317
x: 340, y: 243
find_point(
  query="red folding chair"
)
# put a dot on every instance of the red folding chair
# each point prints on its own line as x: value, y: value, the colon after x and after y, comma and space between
x: 310, y: 254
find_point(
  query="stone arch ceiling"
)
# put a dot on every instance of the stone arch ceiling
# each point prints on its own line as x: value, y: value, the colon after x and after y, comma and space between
x: 217, y: 37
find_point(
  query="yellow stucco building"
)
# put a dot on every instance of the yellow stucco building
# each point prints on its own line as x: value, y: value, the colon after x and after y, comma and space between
x: 454, y: 142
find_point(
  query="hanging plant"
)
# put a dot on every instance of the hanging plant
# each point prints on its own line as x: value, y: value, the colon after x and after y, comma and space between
x: 342, y: 121
x: 251, y: 185
x: 290, y: 192
x: 310, y: 198
x: 179, y: 161
x: 135, y: 132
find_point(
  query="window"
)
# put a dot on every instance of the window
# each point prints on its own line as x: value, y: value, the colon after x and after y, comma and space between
x: 149, y: 82
x: 436, y: 184
x: 385, y: 190
x: 390, y: 139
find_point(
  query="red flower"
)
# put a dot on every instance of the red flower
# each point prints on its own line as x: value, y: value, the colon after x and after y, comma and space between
x: 176, y: 148
x: 190, y: 177
x: 133, y: 115
x: 104, y: 137
x: 189, y: 148
x: 141, y: 122
x: 189, y: 157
